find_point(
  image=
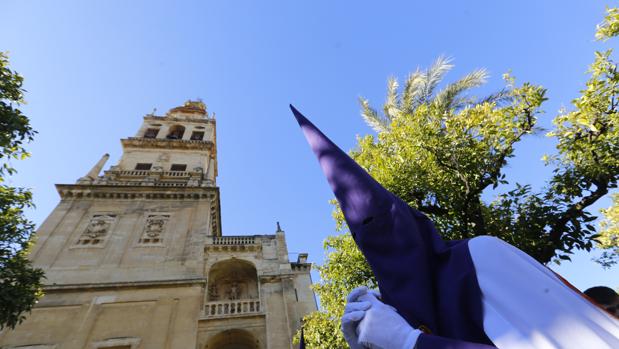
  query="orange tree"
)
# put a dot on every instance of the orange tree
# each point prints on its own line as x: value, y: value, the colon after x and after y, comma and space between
x: 20, y: 283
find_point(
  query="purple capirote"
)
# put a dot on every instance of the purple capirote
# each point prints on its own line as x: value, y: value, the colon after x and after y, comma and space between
x: 431, y: 282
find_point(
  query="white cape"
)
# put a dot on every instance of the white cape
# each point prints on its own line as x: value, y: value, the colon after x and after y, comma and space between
x: 526, y: 306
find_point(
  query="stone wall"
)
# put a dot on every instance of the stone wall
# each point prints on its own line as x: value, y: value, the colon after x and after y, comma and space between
x: 141, y: 316
x: 140, y: 240
x: 135, y: 258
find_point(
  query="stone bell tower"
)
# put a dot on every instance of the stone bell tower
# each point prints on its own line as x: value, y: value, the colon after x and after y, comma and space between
x: 135, y: 257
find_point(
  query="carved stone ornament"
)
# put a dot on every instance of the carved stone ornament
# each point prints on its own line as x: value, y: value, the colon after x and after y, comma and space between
x: 163, y: 157
x: 233, y: 293
x: 97, y: 230
x: 154, y: 228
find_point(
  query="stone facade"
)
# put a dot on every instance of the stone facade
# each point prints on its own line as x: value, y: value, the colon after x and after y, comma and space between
x: 135, y: 258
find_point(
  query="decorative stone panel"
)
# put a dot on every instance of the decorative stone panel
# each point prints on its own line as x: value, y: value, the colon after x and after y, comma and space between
x: 97, y: 231
x: 154, y: 229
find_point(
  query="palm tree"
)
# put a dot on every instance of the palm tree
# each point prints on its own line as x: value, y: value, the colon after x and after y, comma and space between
x: 419, y: 89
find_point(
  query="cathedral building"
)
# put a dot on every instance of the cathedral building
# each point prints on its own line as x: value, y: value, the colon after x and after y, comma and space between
x: 134, y: 257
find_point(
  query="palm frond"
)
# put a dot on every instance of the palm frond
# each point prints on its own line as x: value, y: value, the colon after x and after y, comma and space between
x: 434, y: 75
x: 500, y: 98
x: 391, y: 106
x: 371, y: 117
x: 419, y: 89
x: 412, y: 91
x: 462, y: 102
x: 450, y: 96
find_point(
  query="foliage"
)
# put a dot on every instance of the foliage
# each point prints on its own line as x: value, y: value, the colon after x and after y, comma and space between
x: 344, y: 269
x: 609, y: 233
x: 609, y: 228
x: 589, y: 142
x: 610, y: 26
x: 20, y: 283
x: 440, y: 151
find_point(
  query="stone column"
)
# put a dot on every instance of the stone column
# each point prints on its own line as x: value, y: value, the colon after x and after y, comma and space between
x: 94, y: 172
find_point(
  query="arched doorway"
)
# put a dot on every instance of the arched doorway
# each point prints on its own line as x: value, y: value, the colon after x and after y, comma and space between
x: 233, y: 339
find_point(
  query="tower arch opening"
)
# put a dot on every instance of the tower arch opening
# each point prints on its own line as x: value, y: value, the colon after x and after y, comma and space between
x: 176, y: 132
x: 233, y: 339
x: 232, y: 279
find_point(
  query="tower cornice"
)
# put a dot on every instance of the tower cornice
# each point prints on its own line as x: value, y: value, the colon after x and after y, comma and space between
x: 180, y: 119
x: 102, y: 191
x: 158, y: 143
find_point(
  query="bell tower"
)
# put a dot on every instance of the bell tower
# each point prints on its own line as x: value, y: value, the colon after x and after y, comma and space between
x: 134, y: 256
x: 178, y: 149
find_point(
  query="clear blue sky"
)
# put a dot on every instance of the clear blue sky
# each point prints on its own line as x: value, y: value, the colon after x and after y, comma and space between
x: 93, y: 69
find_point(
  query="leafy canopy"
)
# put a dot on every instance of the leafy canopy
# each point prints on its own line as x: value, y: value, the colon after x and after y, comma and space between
x: 609, y: 227
x: 20, y: 283
x: 609, y: 234
x: 439, y: 151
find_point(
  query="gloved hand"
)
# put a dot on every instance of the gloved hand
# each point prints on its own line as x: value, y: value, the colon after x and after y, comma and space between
x: 353, y: 313
x: 383, y: 328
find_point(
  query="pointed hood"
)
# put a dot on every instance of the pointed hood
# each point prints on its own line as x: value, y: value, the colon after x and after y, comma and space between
x: 359, y: 195
x: 397, y: 242
x: 431, y: 282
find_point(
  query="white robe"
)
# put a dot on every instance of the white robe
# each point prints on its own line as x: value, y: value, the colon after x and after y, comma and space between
x: 526, y: 306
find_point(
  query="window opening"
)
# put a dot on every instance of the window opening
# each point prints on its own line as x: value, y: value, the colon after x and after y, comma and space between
x: 143, y: 167
x: 178, y: 167
x: 151, y: 133
x: 197, y: 136
x: 176, y: 132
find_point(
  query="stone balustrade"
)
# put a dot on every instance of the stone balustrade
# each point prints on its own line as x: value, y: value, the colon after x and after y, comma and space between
x: 143, y: 173
x: 234, y: 240
x: 134, y: 173
x: 175, y: 174
x: 170, y: 184
x: 191, y: 141
x: 237, y: 307
x: 234, y: 243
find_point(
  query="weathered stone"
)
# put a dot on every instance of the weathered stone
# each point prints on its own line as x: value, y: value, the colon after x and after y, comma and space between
x: 135, y: 258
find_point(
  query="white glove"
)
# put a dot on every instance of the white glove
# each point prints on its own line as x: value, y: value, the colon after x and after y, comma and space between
x: 383, y: 328
x: 353, y: 313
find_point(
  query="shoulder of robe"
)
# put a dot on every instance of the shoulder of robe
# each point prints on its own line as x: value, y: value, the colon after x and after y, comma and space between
x: 489, y: 245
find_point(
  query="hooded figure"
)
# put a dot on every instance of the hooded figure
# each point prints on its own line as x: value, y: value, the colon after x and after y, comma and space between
x: 435, y: 285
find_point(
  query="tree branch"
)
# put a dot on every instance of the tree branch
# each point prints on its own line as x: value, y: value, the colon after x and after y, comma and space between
x: 432, y: 209
x: 573, y: 212
x: 499, y: 163
x: 428, y: 208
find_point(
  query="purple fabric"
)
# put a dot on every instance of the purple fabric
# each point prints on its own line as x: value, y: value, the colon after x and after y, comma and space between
x: 430, y: 282
x: 426, y: 341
